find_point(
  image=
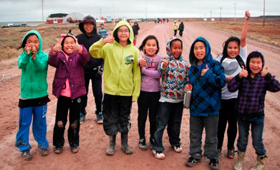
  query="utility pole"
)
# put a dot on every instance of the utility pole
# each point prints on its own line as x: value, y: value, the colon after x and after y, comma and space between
x: 114, y: 22
x: 263, y: 13
x: 210, y: 15
x: 235, y: 13
x: 100, y: 14
x: 220, y: 14
x: 43, y: 10
x: 146, y: 13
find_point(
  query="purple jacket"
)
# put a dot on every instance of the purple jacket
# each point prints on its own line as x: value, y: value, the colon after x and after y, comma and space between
x: 71, y: 69
x: 250, y: 100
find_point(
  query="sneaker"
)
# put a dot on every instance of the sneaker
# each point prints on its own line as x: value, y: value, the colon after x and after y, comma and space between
x: 191, y: 162
x: 177, y: 149
x: 44, y: 152
x: 75, y: 149
x: 82, y: 117
x: 142, y: 144
x: 158, y: 154
x: 57, y: 149
x: 214, y: 164
x: 26, y: 155
x: 230, y: 153
x: 99, y: 117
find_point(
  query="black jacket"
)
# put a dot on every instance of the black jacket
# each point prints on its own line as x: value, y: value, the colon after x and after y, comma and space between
x: 87, y: 41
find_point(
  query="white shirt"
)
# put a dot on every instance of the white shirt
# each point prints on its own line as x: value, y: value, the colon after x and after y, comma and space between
x: 232, y: 68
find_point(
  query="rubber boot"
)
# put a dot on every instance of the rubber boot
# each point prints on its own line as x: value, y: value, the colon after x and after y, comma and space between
x: 112, y: 143
x: 260, y: 164
x: 125, y: 147
x: 239, y: 161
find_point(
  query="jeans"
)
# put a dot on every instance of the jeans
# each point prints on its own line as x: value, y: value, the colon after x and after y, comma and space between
x: 168, y: 114
x: 97, y: 92
x: 39, y: 127
x: 116, y: 113
x: 227, y: 115
x: 147, y: 101
x: 63, y: 105
x: 197, y: 123
x: 257, y: 126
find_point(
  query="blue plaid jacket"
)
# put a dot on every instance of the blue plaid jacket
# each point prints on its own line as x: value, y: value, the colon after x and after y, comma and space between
x: 206, y: 93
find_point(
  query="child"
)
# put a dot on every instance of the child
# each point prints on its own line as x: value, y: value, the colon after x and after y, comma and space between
x: 135, y: 28
x: 94, y: 68
x: 181, y: 28
x: 121, y: 82
x: 175, y: 28
x: 33, y: 95
x: 69, y: 58
x: 103, y: 31
x: 233, y: 58
x: 150, y: 88
x: 207, y: 79
x: 252, y: 85
x: 174, y: 71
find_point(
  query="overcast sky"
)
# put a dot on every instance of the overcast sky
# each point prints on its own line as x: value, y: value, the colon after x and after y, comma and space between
x: 31, y: 10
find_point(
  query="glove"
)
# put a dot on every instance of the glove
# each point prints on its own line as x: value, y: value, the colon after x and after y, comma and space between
x: 99, y: 72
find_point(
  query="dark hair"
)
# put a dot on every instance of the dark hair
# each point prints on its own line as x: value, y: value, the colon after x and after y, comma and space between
x: 254, y: 54
x: 149, y: 37
x: 69, y: 34
x: 225, y: 45
x: 115, y: 35
x: 192, y: 58
x: 176, y: 40
x: 25, y: 39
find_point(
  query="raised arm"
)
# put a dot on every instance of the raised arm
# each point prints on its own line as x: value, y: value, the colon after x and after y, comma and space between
x: 244, y: 30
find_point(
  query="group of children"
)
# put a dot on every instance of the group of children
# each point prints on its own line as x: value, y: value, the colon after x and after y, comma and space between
x: 158, y: 85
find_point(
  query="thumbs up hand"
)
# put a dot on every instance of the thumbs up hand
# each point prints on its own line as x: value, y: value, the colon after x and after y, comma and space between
x: 166, y: 62
x: 109, y: 39
x: 243, y: 73
x: 57, y: 47
x: 203, y: 71
x: 264, y: 71
x: 247, y: 15
x: 142, y: 61
x: 77, y: 46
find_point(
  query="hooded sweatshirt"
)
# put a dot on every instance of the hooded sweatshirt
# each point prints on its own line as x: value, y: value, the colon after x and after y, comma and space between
x: 174, y: 76
x: 252, y: 91
x: 33, y: 81
x: 122, y: 75
x: 206, y: 92
x: 87, y: 41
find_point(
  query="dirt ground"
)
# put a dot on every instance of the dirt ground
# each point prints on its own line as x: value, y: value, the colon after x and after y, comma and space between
x: 93, y: 141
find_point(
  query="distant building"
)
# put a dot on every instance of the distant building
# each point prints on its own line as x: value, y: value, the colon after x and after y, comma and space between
x: 74, y: 17
x: 56, y: 18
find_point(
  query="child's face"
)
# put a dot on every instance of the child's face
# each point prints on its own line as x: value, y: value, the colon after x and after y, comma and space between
x: 123, y: 33
x: 255, y: 65
x: 32, y: 41
x: 176, y: 49
x: 68, y: 45
x: 199, y: 50
x: 102, y: 26
x: 88, y: 27
x: 232, y: 49
x: 150, y: 48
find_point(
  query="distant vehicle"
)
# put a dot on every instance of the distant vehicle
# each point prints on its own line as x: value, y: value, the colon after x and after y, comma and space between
x: 108, y: 19
x: 135, y: 20
x: 100, y: 21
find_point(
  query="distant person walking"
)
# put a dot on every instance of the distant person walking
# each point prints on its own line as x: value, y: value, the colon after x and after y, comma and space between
x: 181, y: 28
x: 94, y: 68
x: 33, y: 95
x: 135, y: 28
x: 175, y: 28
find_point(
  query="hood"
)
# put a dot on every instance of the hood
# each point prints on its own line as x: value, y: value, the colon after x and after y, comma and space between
x: 39, y: 37
x: 254, y: 54
x: 208, y: 57
x: 88, y: 19
x: 168, y: 47
x: 121, y: 23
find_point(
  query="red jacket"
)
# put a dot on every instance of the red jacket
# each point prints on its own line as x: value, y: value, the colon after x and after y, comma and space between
x: 71, y: 69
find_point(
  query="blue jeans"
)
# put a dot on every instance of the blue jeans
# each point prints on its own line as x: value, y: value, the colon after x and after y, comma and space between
x: 168, y: 114
x: 39, y: 127
x: 197, y: 123
x: 257, y: 133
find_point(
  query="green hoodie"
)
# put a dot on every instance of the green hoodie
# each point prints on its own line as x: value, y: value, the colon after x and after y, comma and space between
x: 122, y: 75
x: 33, y: 82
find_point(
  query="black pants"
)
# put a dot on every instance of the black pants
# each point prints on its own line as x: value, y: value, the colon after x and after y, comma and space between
x: 181, y: 33
x: 63, y: 105
x: 147, y: 101
x: 97, y: 92
x: 227, y: 114
x: 116, y: 113
x: 175, y: 32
